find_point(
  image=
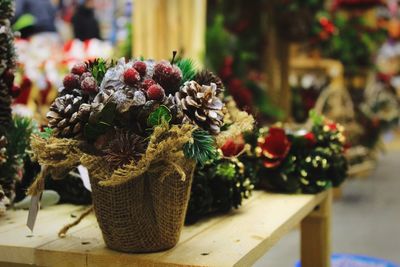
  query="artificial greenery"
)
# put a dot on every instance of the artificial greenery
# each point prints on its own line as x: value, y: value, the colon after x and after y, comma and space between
x: 98, y: 67
x: 188, y: 69
x: 202, y: 148
x: 218, y: 186
x: 315, y: 160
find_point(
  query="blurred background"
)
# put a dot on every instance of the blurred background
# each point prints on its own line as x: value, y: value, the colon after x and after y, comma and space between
x: 279, y: 59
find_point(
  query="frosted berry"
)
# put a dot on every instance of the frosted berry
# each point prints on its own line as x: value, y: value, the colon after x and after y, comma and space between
x: 141, y: 67
x: 85, y: 75
x: 147, y: 83
x: 89, y: 85
x: 71, y: 81
x: 131, y: 77
x: 168, y: 76
x: 79, y: 68
x: 155, y: 92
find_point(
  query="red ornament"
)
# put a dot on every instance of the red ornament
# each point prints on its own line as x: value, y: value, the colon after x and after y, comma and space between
x: 332, y: 126
x: 141, y: 67
x: 71, y: 81
x: 156, y: 92
x: 79, y: 68
x: 274, y: 147
x: 310, y: 137
x: 233, y: 147
x: 131, y: 77
x: 89, y: 85
x: 147, y: 83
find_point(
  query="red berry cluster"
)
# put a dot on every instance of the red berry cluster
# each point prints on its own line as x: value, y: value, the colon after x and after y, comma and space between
x: 80, y: 78
x: 165, y: 79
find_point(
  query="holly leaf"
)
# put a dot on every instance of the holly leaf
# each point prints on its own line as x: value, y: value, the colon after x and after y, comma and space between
x: 160, y: 115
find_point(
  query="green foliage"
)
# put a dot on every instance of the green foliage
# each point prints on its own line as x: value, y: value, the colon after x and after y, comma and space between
x: 46, y: 133
x: 161, y: 115
x: 98, y: 67
x: 317, y: 119
x: 202, y: 148
x: 188, y: 69
x: 218, y: 186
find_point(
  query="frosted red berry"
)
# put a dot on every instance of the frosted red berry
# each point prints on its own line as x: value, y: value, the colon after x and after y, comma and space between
x: 79, y: 68
x: 89, y: 85
x: 141, y: 67
x: 131, y: 77
x: 147, y: 83
x: 168, y: 76
x: 85, y: 75
x: 155, y: 92
x: 71, y: 81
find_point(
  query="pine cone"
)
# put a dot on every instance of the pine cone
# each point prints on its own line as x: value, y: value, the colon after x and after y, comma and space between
x: 176, y: 110
x: 124, y: 147
x: 201, y: 105
x: 206, y: 77
x: 3, y: 150
x: 67, y: 116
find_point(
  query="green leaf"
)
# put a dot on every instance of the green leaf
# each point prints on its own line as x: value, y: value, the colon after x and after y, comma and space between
x: 160, y: 115
x: 46, y: 133
x: 316, y: 118
x: 188, y: 69
x: 202, y: 148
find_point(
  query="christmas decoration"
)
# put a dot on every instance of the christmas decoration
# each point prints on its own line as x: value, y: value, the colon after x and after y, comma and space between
x: 140, y: 141
x: 201, y: 105
x: 7, y: 64
x: 306, y: 162
x: 218, y: 187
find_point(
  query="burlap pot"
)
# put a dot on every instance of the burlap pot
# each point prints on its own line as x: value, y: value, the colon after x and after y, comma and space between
x: 145, y: 214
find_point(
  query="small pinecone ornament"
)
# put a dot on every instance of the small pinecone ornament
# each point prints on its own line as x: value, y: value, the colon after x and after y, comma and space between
x: 67, y: 116
x: 124, y: 147
x: 206, y: 77
x: 201, y: 105
x: 3, y: 150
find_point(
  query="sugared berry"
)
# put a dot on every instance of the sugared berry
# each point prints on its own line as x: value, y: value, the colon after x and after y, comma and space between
x: 168, y: 76
x: 71, y: 81
x: 155, y: 92
x: 147, y: 83
x: 131, y: 77
x: 89, y: 85
x: 85, y: 75
x: 141, y: 67
x: 79, y: 68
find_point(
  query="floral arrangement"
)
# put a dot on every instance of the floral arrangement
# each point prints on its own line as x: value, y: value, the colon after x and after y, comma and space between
x: 139, y: 127
x: 301, y: 161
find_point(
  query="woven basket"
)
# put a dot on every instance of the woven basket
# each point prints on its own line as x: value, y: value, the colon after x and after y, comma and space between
x: 144, y: 214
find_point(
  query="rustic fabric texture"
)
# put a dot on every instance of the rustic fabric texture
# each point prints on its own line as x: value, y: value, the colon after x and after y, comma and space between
x: 141, y: 206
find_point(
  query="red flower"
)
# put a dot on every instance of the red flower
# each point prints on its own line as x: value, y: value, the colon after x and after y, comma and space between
x: 233, y: 147
x: 274, y: 147
x: 332, y: 126
x: 310, y: 137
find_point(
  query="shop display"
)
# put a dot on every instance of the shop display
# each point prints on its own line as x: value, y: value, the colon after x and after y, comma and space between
x: 139, y: 127
x: 301, y: 161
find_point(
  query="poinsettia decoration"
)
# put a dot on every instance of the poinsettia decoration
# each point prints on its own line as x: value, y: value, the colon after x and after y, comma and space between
x: 273, y: 147
x: 306, y: 161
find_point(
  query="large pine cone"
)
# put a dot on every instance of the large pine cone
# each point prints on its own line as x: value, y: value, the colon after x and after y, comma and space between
x: 201, y: 105
x: 67, y: 116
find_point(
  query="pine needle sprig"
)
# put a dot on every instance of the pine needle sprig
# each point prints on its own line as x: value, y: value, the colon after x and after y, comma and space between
x: 188, y: 68
x: 98, y: 67
x: 202, y: 148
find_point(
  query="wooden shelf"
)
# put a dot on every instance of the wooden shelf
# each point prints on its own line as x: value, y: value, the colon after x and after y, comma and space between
x: 235, y: 239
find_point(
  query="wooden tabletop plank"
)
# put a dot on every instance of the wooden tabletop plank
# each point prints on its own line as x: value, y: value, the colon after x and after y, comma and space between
x: 18, y: 244
x: 61, y: 251
x: 239, y: 237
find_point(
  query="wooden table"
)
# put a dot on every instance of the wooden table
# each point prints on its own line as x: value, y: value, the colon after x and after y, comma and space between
x: 235, y: 239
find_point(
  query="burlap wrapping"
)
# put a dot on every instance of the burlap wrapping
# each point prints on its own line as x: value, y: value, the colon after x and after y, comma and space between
x: 141, y: 206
